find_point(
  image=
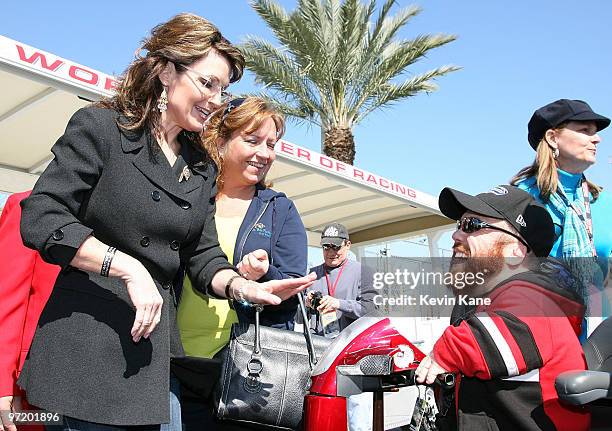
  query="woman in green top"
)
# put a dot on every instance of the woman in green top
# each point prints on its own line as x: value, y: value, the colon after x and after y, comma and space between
x: 259, y: 230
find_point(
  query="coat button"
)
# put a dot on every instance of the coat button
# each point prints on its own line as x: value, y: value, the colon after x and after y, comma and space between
x: 185, y: 205
x: 175, y: 245
x: 58, y: 235
x: 155, y: 195
x: 145, y: 241
x: 167, y: 285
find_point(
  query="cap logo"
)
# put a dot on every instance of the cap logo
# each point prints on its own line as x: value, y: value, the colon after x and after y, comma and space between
x: 331, y: 231
x: 520, y: 220
x: 499, y: 191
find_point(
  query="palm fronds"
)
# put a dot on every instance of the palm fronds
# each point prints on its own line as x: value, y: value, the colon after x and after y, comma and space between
x: 339, y: 60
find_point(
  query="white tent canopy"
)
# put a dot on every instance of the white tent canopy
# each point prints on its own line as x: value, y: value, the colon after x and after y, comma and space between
x: 41, y: 91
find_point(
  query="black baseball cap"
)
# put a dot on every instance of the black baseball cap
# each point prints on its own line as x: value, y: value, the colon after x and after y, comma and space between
x: 505, y: 202
x: 560, y: 111
x: 334, y: 233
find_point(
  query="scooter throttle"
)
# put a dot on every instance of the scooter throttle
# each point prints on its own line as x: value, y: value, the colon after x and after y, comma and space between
x: 446, y: 380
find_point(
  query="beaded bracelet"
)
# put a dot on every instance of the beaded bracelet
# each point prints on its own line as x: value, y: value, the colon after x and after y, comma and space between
x: 106, y: 263
x: 240, y: 295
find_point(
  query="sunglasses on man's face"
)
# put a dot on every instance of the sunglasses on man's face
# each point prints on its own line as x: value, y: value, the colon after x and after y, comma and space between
x: 333, y: 247
x: 474, y: 224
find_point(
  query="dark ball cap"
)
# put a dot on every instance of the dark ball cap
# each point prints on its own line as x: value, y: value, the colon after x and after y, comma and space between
x: 335, y: 234
x: 560, y: 111
x: 531, y: 220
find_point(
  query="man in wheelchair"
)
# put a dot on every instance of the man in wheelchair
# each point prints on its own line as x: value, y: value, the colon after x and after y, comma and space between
x: 510, y: 350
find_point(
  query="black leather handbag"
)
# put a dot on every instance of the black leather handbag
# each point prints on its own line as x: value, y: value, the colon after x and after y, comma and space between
x: 266, y: 374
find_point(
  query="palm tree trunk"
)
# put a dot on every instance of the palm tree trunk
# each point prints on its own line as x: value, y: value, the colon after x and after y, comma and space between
x: 339, y: 143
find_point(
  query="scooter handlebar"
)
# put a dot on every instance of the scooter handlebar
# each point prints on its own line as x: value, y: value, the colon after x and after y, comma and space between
x: 446, y: 380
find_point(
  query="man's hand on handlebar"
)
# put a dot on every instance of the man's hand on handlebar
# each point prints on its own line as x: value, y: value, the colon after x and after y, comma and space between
x: 428, y: 370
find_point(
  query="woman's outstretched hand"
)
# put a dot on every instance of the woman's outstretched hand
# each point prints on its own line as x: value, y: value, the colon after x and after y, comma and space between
x: 273, y: 292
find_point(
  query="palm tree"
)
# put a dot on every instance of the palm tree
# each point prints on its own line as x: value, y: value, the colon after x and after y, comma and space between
x: 335, y: 66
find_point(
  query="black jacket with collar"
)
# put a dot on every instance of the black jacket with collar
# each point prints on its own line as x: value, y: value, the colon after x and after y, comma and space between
x: 119, y: 188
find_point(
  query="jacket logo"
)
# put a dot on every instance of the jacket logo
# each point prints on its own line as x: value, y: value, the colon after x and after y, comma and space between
x: 520, y: 220
x: 260, y: 229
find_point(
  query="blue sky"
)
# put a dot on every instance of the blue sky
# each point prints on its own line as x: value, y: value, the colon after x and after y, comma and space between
x: 470, y: 134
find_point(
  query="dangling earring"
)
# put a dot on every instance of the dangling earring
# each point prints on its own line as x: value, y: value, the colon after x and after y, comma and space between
x: 162, y: 103
x: 556, y: 153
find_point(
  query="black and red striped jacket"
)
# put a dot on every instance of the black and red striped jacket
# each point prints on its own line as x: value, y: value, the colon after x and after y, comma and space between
x: 510, y: 352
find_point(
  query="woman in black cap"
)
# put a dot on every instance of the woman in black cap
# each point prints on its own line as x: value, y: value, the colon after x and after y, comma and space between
x: 564, y: 135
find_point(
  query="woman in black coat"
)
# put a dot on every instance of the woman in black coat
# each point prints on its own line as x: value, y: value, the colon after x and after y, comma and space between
x: 126, y: 208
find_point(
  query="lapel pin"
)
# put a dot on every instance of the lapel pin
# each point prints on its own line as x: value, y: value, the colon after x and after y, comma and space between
x: 185, y: 175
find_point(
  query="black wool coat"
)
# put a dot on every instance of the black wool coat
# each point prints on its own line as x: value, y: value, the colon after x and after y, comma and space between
x: 121, y: 189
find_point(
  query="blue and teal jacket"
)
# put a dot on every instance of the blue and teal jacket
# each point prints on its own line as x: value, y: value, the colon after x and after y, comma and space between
x: 601, y: 213
x: 272, y: 223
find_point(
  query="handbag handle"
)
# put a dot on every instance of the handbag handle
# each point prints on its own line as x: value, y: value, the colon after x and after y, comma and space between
x: 312, y: 359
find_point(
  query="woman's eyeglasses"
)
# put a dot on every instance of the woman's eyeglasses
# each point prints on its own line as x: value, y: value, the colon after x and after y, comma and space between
x: 474, y: 224
x: 209, y: 84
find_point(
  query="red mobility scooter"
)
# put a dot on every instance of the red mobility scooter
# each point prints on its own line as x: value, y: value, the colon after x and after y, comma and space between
x: 371, y: 355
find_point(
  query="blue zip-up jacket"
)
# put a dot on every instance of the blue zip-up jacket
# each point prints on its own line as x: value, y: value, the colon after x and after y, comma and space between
x: 272, y: 223
x: 601, y: 211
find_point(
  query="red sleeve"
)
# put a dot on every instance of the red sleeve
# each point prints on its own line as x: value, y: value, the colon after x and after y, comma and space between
x: 16, y: 270
x: 458, y: 351
x: 506, y: 340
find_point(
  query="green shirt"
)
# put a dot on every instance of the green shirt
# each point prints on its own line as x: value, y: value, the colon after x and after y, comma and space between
x: 205, y: 323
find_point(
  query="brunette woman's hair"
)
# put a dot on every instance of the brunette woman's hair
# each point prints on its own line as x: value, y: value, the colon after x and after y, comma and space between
x: 183, y: 40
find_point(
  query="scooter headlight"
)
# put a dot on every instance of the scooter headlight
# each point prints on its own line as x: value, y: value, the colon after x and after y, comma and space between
x: 404, y: 357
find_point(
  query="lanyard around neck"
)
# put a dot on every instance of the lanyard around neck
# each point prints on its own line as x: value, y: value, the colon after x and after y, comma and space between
x: 586, y: 216
x: 332, y: 289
